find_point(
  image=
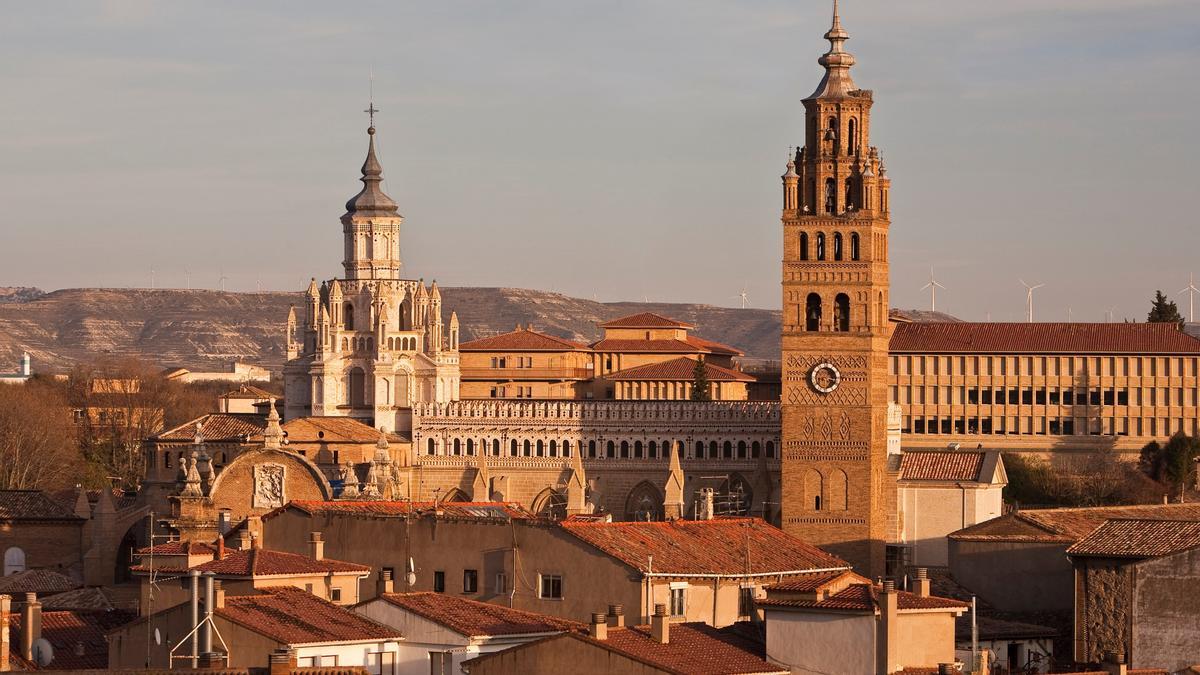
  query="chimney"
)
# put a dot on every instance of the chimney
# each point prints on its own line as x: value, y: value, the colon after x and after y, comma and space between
x: 616, y: 616
x: 218, y: 595
x: 214, y: 660
x: 5, y: 644
x: 255, y: 542
x: 386, y: 584
x: 283, y: 660
x: 886, y: 643
x: 316, y: 546
x: 921, y: 584
x: 243, y: 540
x: 220, y: 548
x: 31, y: 625
x: 660, y: 625
x: 224, y: 521
x: 599, y: 627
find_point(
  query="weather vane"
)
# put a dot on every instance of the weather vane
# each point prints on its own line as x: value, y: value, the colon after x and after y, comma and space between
x: 371, y: 109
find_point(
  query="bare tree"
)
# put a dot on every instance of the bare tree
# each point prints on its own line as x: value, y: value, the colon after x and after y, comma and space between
x: 38, y: 447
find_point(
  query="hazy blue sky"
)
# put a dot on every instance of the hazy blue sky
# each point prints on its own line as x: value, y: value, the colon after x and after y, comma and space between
x: 621, y: 149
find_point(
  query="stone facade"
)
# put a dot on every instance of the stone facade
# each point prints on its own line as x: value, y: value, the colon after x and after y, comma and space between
x: 835, y: 324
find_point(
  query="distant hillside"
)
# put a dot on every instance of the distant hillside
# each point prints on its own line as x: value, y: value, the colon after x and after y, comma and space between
x: 204, y: 329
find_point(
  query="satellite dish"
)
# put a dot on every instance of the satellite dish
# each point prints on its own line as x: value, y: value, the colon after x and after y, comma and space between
x: 157, y: 637
x: 43, y: 652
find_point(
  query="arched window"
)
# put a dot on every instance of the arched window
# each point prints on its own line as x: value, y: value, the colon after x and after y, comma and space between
x: 837, y: 246
x: 727, y: 450
x: 431, y: 446
x: 741, y: 450
x: 358, y: 388
x: 457, y: 445
x: 812, y: 313
x: 830, y: 195
x: 852, y: 137
x: 14, y: 561
x: 755, y: 449
x: 348, y: 316
x: 831, y: 134
x: 496, y: 447
x: 850, y: 200
x: 820, y: 246
x: 167, y: 459
x: 541, y: 449
x: 712, y: 450
x: 527, y: 448
x: 370, y: 344
x: 770, y: 448
x: 854, y: 246
x: 804, y: 246
x: 813, y: 484
x: 611, y: 450
x: 637, y: 449
x: 512, y: 447
x: 838, y: 487
x: 591, y: 448
x: 841, y: 313
x: 554, y: 448
x: 566, y: 449
x: 625, y: 449
x: 652, y: 451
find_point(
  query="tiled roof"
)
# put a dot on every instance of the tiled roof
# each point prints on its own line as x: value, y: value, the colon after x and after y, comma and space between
x: 865, y: 598
x: 645, y: 320
x: 38, y: 581
x: 456, y: 510
x: 251, y: 392
x: 32, y: 505
x: 721, y: 546
x: 693, y: 648
x: 295, y: 617
x: 681, y: 368
x: 332, y: 430
x: 258, y: 562
x: 715, y: 347
x: 809, y: 583
x: 80, y: 599
x: 1067, y: 525
x: 219, y: 428
x: 65, y: 630
x: 1042, y: 338
x: 693, y: 345
x: 1137, y: 538
x: 471, y: 618
x: 521, y: 340
x: 178, y: 548
x: 941, y: 465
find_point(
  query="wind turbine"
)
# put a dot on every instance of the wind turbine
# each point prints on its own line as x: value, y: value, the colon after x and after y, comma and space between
x: 1191, y: 290
x: 1029, y: 297
x: 933, y: 287
x: 744, y: 298
x: 1110, y: 313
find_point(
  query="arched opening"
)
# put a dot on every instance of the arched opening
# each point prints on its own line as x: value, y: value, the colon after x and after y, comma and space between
x: 837, y: 246
x: 554, y: 448
x: 850, y: 200
x: 637, y: 449
x: 541, y: 449
x: 644, y: 503
x: 804, y: 246
x: 470, y: 446
x: 566, y: 449
x: 513, y: 447
x: 624, y: 449
x: 358, y: 388
x: 611, y: 450
x: 820, y: 246
x: 852, y: 137
x: 14, y: 560
x: 431, y: 447
x: 831, y: 134
x: 348, y: 316
x: 841, y: 313
x: 457, y: 447
x: 652, y: 451
x: 699, y: 449
x: 591, y: 452
x: 741, y: 450
x: 755, y: 450
x: 812, y: 312
x: 456, y: 495
x: 854, y: 246
x: 496, y: 447
x: 770, y: 448
x: 727, y: 450
x: 550, y: 504
x: 527, y: 448
x: 813, y: 489
x: 830, y: 195
x: 838, y: 491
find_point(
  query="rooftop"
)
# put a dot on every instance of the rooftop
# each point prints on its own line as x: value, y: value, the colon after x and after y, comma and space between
x: 292, y: 616
x: 731, y: 546
x: 1067, y: 525
x: 219, y: 428
x: 497, y: 511
x: 681, y: 368
x: 692, y: 345
x: 249, y: 391
x: 1042, y: 338
x: 645, y: 320
x: 178, y: 548
x: 40, y: 581
x: 1138, y: 538
x: 65, y: 631
x: 32, y: 505
x: 333, y: 430
x: 523, y: 339
x: 863, y: 597
x: 260, y: 562
x: 948, y: 465
x: 476, y: 619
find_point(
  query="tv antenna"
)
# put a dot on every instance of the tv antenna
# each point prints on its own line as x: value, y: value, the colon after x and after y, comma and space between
x: 1191, y: 291
x: 933, y: 287
x: 1029, y: 298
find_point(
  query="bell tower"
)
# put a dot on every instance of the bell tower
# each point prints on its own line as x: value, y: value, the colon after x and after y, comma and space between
x: 835, y: 323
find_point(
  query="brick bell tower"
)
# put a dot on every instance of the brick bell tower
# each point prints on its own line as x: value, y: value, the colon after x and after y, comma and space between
x: 835, y: 324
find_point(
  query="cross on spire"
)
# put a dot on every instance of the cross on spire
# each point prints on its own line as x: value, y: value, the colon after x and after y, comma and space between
x: 371, y: 110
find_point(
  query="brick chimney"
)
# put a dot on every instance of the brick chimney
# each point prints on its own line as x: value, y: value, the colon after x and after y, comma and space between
x: 220, y: 548
x: 5, y: 644
x: 31, y: 625
x: 660, y: 625
x: 316, y: 546
x: 213, y: 660
x: 885, y: 641
x: 218, y: 595
x: 283, y: 660
x: 616, y: 616
x: 599, y: 627
x: 243, y: 540
x: 921, y: 583
x: 386, y: 584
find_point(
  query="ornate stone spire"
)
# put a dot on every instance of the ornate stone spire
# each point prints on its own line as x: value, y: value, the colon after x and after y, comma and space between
x: 371, y: 201
x: 192, y: 484
x: 673, y: 491
x: 837, y: 61
x: 349, y: 481
x: 273, y: 434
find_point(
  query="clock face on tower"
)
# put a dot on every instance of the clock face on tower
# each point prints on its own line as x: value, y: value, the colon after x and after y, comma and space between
x: 825, y: 377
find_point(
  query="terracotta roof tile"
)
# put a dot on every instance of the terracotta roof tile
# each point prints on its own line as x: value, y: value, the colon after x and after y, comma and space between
x: 471, y: 618
x: 250, y: 391
x: 1067, y: 525
x: 332, y: 430
x: 66, y: 630
x: 40, y: 581
x: 693, y: 648
x: 941, y: 465
x: 1138, y: 538
x: 715, y: 347
x: 681, y: 368
x: 721, y: 546
x: 178, y: 548
x: 809, y: 583
x: 80, y: 599
x: 1042, y: 338
x: 32, y: 505
x: 457, y: 510
x: 258, y: 562
x: 219, y: 428
x: 295, y: 617
x: 645, y: 320
x: 864, y: 597
x: 522, y: 340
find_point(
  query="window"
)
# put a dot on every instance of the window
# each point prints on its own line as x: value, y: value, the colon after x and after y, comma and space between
x: 308, y: 588
x: 837, y: 246
x: 821, y: 244
x: 804, y: 246
x: 335, y: 595
x: 500, y: 585
x: 470, y: 581
x: 14, y: 561
x: 439, y: 582
x: 841, y: 313
x: 678, y: 598
x: 854, y: 247
x: 550, y: 586
x: 812, y: 311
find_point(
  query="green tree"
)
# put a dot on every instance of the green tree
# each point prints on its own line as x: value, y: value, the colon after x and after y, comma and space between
x: 1179, y: 461
x: 1164, y: 310
x: 700, y: 388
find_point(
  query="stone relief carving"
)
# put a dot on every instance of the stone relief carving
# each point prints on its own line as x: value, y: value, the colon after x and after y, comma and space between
x: 268, y: 486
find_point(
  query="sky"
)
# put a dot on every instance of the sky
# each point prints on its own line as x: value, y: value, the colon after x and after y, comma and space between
x: 615, y: 149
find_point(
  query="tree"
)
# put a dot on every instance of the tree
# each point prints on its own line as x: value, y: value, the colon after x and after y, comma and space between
x: 700, y: 387
x: 1179, y: 461
x: 38, y: 450
x: 1164, y: 310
